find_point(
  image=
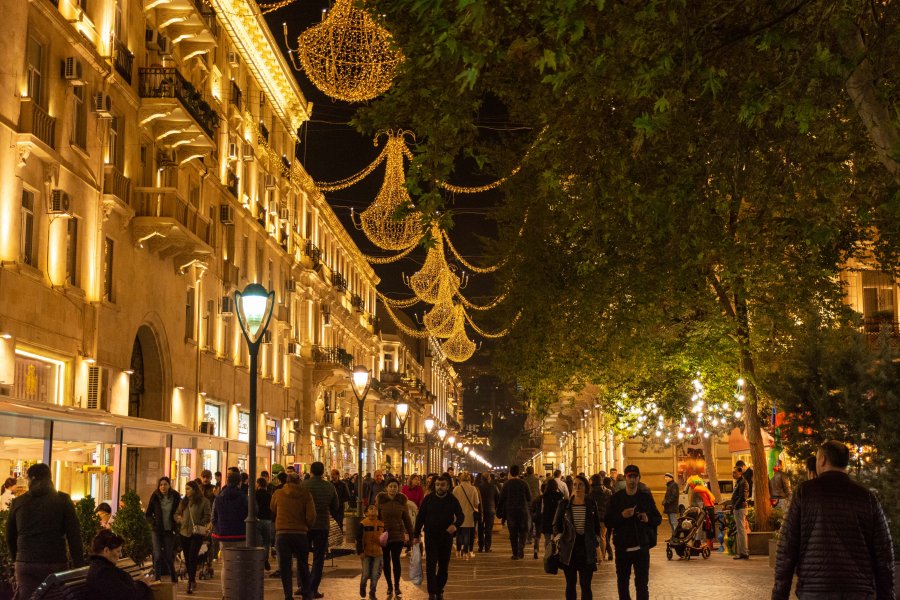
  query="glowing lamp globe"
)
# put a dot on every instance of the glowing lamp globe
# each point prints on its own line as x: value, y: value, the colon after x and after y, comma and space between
x: 255, y: 306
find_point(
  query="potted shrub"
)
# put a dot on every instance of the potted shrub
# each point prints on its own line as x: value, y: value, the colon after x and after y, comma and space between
x: 131, y: 525
x: 88, y: 522
x: 6, y: 567
x: 759, y: 542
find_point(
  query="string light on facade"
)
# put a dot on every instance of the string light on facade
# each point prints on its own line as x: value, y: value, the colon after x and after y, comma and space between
x: 349, y: 56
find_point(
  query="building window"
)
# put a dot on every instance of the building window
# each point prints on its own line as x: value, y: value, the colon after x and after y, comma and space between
x: 72, y: 251
x: 108, y: 248
x: 259, y: 262
x: 34, y: 71
x: 27, y: 229
x: 227, y: 335
x: 878, y: 299
x: 189, y: 315
x: 243, y: 426
x: 114, y: 152
x: 210, y: 323
x: 79, y: 121
x: 213, y: 413
x: 38, y: 378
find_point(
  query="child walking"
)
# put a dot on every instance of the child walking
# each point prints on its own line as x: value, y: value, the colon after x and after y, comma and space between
x: 369, y: 549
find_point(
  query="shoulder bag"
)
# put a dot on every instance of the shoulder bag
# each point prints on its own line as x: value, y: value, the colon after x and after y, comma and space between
x: 475, y: 513
x: 551, y: 561
x: 195, y: 529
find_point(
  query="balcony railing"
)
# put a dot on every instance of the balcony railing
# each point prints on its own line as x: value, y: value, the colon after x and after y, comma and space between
x: 124, y: 61
x: 332, y: 355
x: 285, y: 167
x: 35, y: 120
x: 339, y: 282
x: 263, y: 133
x: 165, y: 203
x: 313, y: 252
x: 167, y: 82
x: 231, y: 183
x: 356, y: 302
x: 209, y: 18
x: 116, y: 184
x: 236, y: 95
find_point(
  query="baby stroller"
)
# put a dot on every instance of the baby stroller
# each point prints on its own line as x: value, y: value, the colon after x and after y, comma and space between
x: 684, y: 542
x: 204, y: 562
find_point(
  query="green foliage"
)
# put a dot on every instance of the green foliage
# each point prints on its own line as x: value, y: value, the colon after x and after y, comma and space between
x: 88, y: 522
x: 132, y: 525
x: 7, y: 570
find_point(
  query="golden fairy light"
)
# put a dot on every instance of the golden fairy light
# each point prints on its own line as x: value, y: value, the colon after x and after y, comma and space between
x: 380, y: 221
x: 349, y: 56
x: 439, y: 321
x: 458, y: 347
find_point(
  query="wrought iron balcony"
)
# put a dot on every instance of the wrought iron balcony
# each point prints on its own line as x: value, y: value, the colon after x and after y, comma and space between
x: 313, y: 252
x: 339, y: 282
x: 356, y: 302
x: 169, y: 224
x: 167, y: 82
x: 236, y: 95
x: 331, y: 355
x: 231, y: 183
x: 36, y: 121
x: 116, y: 186
x: 123, y: 60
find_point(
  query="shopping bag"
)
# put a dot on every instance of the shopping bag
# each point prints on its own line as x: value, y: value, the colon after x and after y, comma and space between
x: 551, y: 560
x: 415, y: 564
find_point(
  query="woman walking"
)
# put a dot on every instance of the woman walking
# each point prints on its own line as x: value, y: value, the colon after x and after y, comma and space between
x: 548, y: 503
x: 398, y: 526
x: 577, y: 527
x: 470, y: 500
x: 194, y: 516
x: 414, y: 491
x: 161, y: 513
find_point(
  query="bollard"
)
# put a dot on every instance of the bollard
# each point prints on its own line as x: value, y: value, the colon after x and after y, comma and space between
x: 243, y: 573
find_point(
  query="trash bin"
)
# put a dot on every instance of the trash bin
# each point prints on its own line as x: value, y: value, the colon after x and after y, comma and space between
x: 351, y: 527
x: 243, y: 573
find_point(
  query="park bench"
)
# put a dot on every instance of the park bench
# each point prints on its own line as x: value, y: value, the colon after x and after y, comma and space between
x: 69, y: 585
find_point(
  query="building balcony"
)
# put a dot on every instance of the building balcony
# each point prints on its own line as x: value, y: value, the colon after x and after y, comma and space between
x: 314, y: 254
x: 331, y: 355
x: 123, y: 61
x: 339, y: 282
x: 37, y: 129
x: 116, y: 190
x: 169, y: 225
x: 175, y: 112
x: 191, y: 24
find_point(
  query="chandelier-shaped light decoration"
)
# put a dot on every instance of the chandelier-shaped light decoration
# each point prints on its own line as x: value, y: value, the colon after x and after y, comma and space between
x: 439, y: 321
x: 458, y: 347
x: 435, y: 282
x: 349, y: 56
x: 378, y: 220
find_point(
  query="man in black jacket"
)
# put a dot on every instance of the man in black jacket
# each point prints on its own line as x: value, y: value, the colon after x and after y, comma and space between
x: 739, y: 498
x: 835, y: 537
x: 440, y: 515
x: 489, y: 495
x: 634, y: 518
x: 515, y: 507
x: 670, y: 501
x: 40, y: 524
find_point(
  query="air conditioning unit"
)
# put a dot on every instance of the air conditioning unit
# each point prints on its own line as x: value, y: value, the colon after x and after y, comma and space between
x: 290, y: 285
x: 234, y: 59
x: 284, y: 214
x: 270, y: 182
x: 59, y: 203
x: 248, y: 153
x: 346, y: 422
x: 232, y: 151
x: 208, y: 427
x: 150, y: 37
x: 226, y: 307
x: 293, y: 348
x: 266, y: 337
x: 103, y: 105
x: 226, y: 214
x: 72, y: 71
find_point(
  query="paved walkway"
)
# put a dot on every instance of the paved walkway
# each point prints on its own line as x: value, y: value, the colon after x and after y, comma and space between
x: 495, y: 576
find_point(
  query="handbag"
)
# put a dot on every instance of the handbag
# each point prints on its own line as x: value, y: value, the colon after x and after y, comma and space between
x: 195, y: 529
x: 476, y: 514
x: 551, y: 561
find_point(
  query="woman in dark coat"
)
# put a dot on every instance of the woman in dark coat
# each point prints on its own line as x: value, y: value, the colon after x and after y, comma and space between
x: 398, y: 525
x: 161, y: 514
x: 545, y: 511
x: 106, y: 581
x: 577, y: 527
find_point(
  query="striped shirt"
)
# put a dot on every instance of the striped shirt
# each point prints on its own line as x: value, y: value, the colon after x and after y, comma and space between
x: 578, y: 513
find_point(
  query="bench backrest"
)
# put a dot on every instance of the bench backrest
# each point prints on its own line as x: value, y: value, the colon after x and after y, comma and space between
x: 69, y: 585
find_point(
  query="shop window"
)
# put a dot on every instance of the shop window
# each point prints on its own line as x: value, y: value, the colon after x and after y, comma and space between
x: 213, y: 413
x: 28, y: 247
x: 189, y: 315
x: 243, y: 426
x: 38, y: 378
x: 210, y: 324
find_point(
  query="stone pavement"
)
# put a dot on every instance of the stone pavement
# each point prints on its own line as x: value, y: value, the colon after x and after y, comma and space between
x: 495, y: 576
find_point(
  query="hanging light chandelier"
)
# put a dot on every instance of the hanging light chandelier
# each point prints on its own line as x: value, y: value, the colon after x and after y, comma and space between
x: 349, y: 56
x: 440, y: 320
x: 458, y: 347
x: 378, y: 220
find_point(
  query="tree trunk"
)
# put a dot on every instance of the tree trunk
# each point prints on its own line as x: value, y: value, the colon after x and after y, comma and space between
x: 761, y: 502
x: 711, y: 468
x: 876, y: 117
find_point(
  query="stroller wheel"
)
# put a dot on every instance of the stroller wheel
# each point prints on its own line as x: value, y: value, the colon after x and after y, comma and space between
x: 705, y: 553
x: 668, y: 552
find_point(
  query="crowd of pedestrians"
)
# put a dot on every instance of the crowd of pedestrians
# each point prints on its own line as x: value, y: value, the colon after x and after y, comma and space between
x: 574, y: 523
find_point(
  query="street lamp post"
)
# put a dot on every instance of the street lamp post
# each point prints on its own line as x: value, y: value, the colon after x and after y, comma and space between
x: 442, y: 433
x: 254, y: 308
x: 451, y: 440
x: 361, y: 380
x: 402, y: 409
x: 429, y: 425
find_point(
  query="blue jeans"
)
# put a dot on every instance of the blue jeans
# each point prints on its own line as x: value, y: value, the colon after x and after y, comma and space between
x: 164, y: 555
x: 371, y: 572
x: 288, y: 546
x: 318, y: 543
x: 673, y: 521
x: 265, y: 530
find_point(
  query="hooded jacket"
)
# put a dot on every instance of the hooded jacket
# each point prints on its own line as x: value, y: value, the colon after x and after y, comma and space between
x: 39, y: 520
x: 294, y: 509
x: 229, y: 514
x: 395, y: 515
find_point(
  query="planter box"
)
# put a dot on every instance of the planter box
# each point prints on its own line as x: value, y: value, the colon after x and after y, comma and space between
x: 758, y: 542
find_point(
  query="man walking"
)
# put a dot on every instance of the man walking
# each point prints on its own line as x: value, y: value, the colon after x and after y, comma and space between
x: 229, y: 516
x: 633, y: 516
x: 670, y: 501
x: 534, y: 487
x: 374, y: 487
x: 326, y: 499
x: 294, y: 511
x: 739, y: 504
x: 343, y: 493
x: 489, y: 495
x: 834, y: 512
x: 563, y: 487
x: 440, y: 515
x: 41, y: 523
x: 515, y: 506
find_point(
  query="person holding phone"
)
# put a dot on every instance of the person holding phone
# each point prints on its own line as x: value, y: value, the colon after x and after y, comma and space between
x: 634, y: 519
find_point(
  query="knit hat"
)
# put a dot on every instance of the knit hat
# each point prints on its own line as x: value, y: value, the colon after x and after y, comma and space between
x: 669, y: 475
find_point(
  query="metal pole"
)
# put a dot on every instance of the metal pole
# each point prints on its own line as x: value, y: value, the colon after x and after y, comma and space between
x: 254, y: 427
x: 359, y: 469
x: 403, y: 449
x: 427, y: 454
